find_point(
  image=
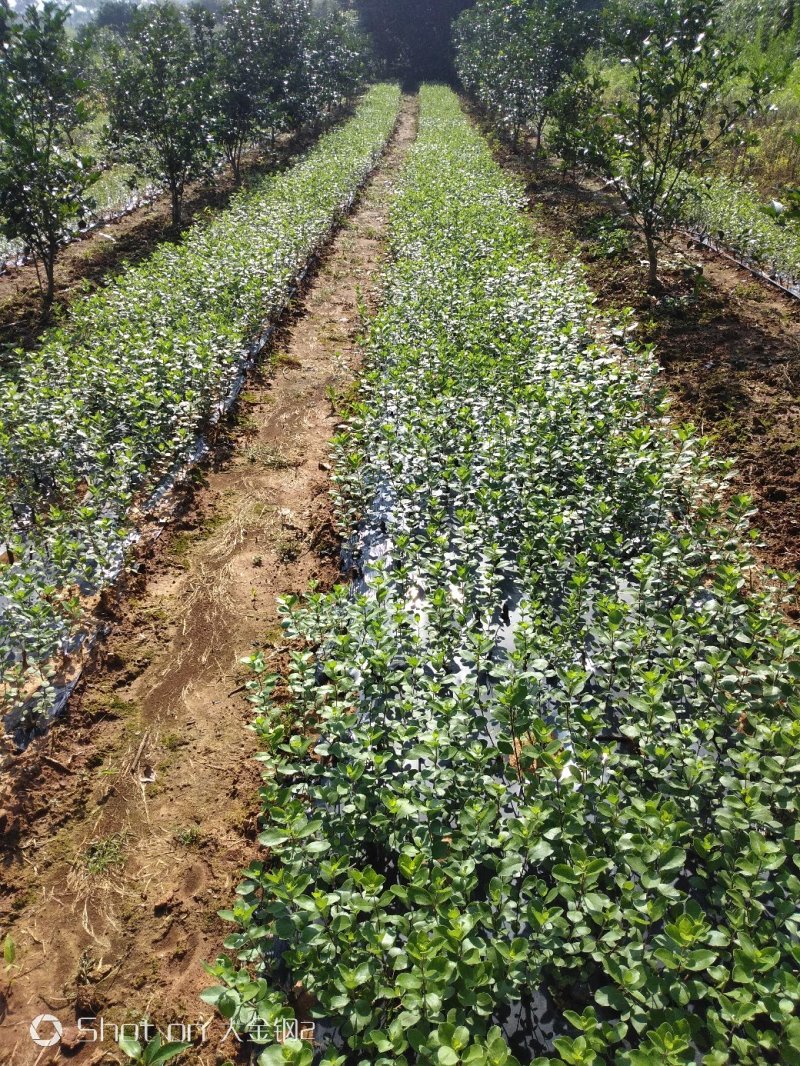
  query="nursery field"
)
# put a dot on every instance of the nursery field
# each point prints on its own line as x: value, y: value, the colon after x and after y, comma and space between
x: 527, y: 783
x: 110, y: 406
x: 125, y: 228
x: 443, y: 712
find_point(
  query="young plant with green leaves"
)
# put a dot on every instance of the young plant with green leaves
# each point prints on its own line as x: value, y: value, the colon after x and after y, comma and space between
x: 736, y: 217
x: 154, y: 1052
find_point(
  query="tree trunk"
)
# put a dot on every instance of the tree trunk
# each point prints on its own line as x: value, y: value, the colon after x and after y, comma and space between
x: 49, y: 262
x: 175, y: 193
x: 653, y: 284
x: 539, y: 129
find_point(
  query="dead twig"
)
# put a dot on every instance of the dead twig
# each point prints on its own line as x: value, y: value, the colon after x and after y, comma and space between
x: 57, y: 764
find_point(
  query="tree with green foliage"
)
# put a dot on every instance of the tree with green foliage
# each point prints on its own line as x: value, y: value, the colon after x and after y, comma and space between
x: 115, y: 15
x: 686, y: 96
x: 158, y: 88
x: 240, y: 79
x: 512, y: 55
x: 290, y: 57
x: 572, y: 103
x: 279, y: 65
x: 43, y: 172
x: 495, y: 59
x: 339, y: 60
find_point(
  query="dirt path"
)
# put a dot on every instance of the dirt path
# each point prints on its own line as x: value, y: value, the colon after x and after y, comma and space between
x: 729, y: 344
x: 128, y: 826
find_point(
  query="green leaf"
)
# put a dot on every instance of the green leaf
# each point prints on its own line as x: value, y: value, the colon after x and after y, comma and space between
x: 317, y: 847
x: 272, y: 1056
x: 131, y: 1047
x: 228, y: 1003
x: 700, y: 959
x: 211, y: 995
x: 271, y: 838
x: 541, y: 850
x: 166, y: 1053
x: 673, y: 859
x: 566, y: 874
x: 609, y: 996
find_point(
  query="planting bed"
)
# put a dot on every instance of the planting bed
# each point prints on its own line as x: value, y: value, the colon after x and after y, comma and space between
x: 734, y: 218
x: 111, y: 405
x: 728, y: 344
x: 530, y: 781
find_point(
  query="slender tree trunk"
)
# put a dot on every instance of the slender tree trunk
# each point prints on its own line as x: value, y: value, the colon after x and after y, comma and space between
x: 539, y: 129
x: 653, y: 284
x: 176, y: 195
x: 50, y: 278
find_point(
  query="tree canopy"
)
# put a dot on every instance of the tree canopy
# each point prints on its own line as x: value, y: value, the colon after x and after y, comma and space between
x: 43, y: 174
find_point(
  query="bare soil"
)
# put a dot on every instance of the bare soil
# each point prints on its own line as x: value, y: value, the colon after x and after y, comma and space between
x: 127, y: 826
x: 728, y: 342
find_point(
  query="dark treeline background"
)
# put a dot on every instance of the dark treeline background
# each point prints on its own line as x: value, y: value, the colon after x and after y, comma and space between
x: 412, y: 38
